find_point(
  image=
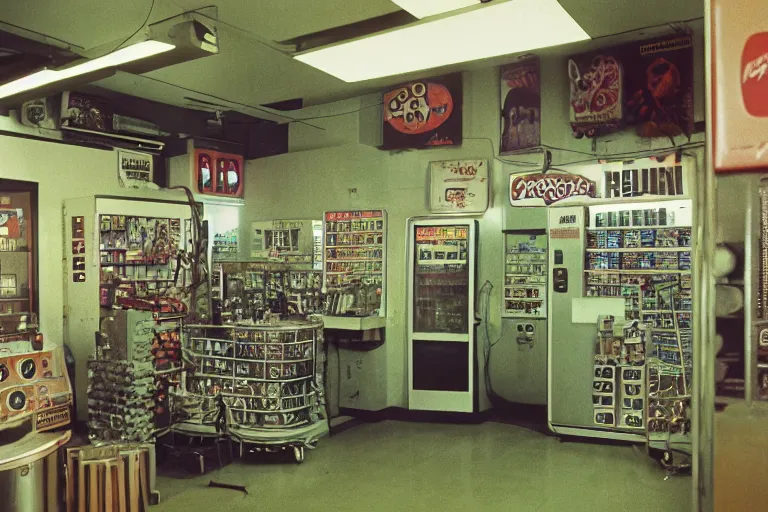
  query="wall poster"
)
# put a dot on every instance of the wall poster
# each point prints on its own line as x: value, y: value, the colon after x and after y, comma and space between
x: 458, y: 186
x: 424, y: 113
x: 647, y: 84
x: 134, y: 170
x: 521, y: 105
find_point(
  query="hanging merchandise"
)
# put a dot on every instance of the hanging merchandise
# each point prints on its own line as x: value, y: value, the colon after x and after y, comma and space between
x: 458, y: 186
x: 423, y: 114
x: 521, y: 105
x: 647, y: 84
x: 218, y: 174
x: 740, y: 88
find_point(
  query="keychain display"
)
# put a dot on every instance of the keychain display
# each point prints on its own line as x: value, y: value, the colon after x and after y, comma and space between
x: 139, y: 266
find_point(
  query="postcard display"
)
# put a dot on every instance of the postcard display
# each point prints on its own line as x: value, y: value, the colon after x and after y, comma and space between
x: 643, y: 365
x: 260, y: 383
x: 354, y: 262
x: 525, y: 275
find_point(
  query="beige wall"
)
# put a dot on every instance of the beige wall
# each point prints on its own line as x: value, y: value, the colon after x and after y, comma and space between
x: 62, y: 172
x: 325, y: 163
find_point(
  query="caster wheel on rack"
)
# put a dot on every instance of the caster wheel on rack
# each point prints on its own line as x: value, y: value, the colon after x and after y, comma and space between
x: 298, y: 452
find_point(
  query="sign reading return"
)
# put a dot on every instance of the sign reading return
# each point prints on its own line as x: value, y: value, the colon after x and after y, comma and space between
x: 663, y: 178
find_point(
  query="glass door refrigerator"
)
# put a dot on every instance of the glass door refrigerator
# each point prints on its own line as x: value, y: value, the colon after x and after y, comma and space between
x: 442, y: 255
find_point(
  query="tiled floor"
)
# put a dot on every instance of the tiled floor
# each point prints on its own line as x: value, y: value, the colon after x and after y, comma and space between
x: 393, y: 466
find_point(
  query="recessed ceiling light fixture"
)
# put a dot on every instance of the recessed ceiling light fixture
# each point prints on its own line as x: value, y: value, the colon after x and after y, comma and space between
x: 510, y: 27
x: 426, y: 8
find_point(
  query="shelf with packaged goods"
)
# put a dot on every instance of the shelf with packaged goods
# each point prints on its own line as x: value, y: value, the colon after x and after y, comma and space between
x: 523, y: 299
x: 378, y: 232
x: 352, y: 246
x: 358, y: 273
x: 635, y: 271
x: 643, y: 249
x: 634, y: 228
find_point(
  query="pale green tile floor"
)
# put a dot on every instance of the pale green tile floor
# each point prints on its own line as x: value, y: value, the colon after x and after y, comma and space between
x: 393, y: 466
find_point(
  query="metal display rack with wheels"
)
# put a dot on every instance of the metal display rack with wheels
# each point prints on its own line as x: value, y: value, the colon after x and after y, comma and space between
x: 269, y: 380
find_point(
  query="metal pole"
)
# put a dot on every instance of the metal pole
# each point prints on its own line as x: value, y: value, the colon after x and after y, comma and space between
x: 749, y: 356
x: 704, y: 304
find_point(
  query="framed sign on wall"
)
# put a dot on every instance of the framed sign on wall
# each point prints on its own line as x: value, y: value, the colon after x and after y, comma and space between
x: 740, y: 88
x: 134, y: 169
x: 423, y: 114
x: 218, y: 174
x: 458, y: 186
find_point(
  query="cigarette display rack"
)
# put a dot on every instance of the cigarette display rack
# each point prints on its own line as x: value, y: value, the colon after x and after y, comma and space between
x: 644, y: 256
x: 261, y: 384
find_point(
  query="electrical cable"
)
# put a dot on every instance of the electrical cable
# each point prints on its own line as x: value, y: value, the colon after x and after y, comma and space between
x: 649, y: 27
x: 144, y: 24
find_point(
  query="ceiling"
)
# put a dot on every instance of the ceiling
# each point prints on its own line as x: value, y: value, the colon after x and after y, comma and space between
x: 252, y: 69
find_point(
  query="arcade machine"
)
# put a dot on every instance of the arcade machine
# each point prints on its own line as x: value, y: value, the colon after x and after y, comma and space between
x: 35, y: 392
x: 442, y: 280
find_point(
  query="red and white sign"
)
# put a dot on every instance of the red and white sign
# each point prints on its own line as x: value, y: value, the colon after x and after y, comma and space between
x: 740, y: 88
x: 754, y: 68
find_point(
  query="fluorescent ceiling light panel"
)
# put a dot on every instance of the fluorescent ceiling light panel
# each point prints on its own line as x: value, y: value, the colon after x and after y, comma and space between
x: 114, y: 59
x: 425, y: 8
x: 510, y: 27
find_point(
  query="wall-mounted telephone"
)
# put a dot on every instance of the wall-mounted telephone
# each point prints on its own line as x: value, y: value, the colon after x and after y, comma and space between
x: 526, y: 334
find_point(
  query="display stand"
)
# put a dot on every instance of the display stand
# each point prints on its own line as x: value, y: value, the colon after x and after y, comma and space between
x: 644, y: 256
x: 35, y: 391
x: 261, y: 384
